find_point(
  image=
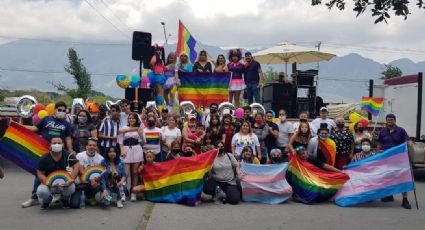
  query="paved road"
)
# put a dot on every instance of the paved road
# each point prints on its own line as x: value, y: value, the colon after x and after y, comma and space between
x: 16, y: 186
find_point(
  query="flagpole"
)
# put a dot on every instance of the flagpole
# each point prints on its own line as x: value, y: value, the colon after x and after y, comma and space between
x: 376, y: 121
x: 413, y: 176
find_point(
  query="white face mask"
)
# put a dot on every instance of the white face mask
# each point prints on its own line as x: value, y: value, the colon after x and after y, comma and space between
x: 366, y: 148
x: 60, y: 115
x: 282, y: 118
x: 56, y: 148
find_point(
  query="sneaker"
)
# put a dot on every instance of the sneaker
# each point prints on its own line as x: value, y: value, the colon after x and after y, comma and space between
x: 119, y: 204
x: 405, y: 204
x: 133, y: 197
x: 65, y: 204
x: 206, y: 197
x: 388, y: 199
x: 30, y: 202
x: 44, y: 206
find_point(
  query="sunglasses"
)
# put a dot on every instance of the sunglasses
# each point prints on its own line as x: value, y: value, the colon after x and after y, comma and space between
x: 61, y: 110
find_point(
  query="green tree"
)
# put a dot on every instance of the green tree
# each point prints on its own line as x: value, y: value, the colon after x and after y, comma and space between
x: 379, y: 8
x: 390, y: 72
x: 82, y: 78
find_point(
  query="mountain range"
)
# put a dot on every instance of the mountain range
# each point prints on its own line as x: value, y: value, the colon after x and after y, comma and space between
x: 34, y: 64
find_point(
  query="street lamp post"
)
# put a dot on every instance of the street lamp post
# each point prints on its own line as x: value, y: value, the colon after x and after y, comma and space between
x: 165, y: 33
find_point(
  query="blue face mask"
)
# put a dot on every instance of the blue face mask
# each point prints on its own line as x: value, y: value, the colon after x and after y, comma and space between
x: 324, y: 136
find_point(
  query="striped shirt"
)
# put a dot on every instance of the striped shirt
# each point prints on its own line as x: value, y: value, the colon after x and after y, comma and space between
x: 361, y: 155
x: 109, y: 128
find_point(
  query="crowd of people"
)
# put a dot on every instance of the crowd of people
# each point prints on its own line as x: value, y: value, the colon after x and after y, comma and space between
x: 124, y: 142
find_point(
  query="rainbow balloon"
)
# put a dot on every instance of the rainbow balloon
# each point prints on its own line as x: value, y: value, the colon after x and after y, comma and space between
x: 91, y: 173
x: 58, y: 177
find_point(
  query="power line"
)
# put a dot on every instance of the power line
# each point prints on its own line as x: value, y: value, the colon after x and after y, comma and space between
x: 66, y: 41
x: 119, y: 19
x: 49, y: 71
x: 98, y: 12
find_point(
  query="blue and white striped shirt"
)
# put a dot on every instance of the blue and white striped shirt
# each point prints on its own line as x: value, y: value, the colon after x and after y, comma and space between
x: 109, y: 128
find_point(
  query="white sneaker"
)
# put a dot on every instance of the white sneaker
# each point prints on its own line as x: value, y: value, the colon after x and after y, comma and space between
x: 133, y: 197
x: 30, y: 202
x: 119, y: 204
x: 205, y: 197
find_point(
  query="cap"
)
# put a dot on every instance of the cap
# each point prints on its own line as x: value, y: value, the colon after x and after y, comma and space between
x: 324, y: 109
x: 390, y: 115
x: 164, y: 110
x: 248, y: 53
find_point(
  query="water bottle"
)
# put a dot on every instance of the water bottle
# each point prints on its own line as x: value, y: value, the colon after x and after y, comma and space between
x: 82, y: 200
x: 217, y: 198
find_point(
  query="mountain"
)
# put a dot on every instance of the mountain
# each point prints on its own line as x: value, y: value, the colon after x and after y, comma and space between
x: 33, y: 64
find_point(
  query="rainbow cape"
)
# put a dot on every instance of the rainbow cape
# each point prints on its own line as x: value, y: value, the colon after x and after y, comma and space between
x: 328, y: 148
x: 311, y: 184
x: 92, y: 172
x: 58, y: 177
x: 23, y: 147
x: 375, y: 177
x: 265, y: 183
x: 177, y: 181
x: 186, y: 43
x: 372, y: 104
x: 202, y: 89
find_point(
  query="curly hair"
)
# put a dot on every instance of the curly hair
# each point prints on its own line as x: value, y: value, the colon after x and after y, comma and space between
x: 235, y: 52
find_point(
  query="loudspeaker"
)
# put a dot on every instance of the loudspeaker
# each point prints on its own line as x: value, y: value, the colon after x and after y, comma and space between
x: 279, y: 96
x: 143, y: 95
x: 142, y: 47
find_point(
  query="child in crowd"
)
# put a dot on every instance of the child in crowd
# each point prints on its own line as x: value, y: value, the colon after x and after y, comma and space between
x: 150, y: 159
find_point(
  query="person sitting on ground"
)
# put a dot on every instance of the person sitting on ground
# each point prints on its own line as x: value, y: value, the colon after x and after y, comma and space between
x: 113, y: 179
x: 223, y: 176
x: 188, y: 151
x: 366, y: 150
x: 56, y: 159
x: 248, y: 156
x: 87, y: 158
x: 303, y: 154
x: 150, y: 159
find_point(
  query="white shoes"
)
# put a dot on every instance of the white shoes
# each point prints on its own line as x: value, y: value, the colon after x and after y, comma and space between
x: 30, y: 202
x: 133, y: 197
x: 119, y: 204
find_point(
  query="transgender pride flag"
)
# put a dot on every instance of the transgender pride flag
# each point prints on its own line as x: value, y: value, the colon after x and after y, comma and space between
x: 376, y: 177
x: 265, y: 183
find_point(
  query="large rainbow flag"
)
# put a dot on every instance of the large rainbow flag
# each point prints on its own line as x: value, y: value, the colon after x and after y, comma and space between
x: 265, y: 183
x: 204, y: 88
x: 22, y: 147
x: 311, y: 184
x: 186, y: 43
x: 178, y: 181
x: 372, y: 104
x: 378, y: 176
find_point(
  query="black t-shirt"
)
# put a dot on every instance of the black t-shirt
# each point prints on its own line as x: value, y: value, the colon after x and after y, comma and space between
x: 48, y: 165
x: 270, y: 140
x: 251, y: 71
x: 199, y: 68
x: 316, y: 162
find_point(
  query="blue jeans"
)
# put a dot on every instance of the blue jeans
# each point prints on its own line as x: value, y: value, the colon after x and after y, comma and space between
x: 253, y: 91
x: 34, y: 188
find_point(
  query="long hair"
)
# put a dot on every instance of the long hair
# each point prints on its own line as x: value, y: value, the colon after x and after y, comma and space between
x: 116, y: 160
x: 202, y: 52
x: 249, y: 125
x: 308, y: 135
x: 135, y: 116
x: 168, y: 58
x: 224, y: 117
x: 218, y: 57
x: 89, y: 119
x: 217, y: 118
x: 246, y: 148
x: 235, y: 52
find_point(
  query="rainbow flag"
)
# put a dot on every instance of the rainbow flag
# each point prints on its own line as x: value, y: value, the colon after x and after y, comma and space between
x: 152, y: 138
x: 186, y: 43
x: 311, y: 184
x: 202, y: 89
x: 265, y: 183
x: 91, y: 173
x: 178, y: 181
x: 372, y: 104
x: 328, y: 148
x: 375, y: 177
x: 23, y: 147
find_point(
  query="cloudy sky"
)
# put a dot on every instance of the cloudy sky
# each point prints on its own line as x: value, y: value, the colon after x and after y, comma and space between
x: 225, y: 23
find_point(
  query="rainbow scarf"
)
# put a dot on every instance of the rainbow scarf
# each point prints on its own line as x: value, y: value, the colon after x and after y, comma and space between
x: 91, y: 173
x: 58, y: 177
x: 372, y: 104
x: 186, y: 43
x: 23, y: 147
x: 204, y: 88
x: 178, y: 181
x: 328, y: 148
x: 311, y: 184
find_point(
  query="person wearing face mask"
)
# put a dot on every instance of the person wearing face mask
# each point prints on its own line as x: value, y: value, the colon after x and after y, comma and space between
x: 174, y: 152
x: 56, y: 159
x: 276, y: 156
x: 273, y: 131
x: 87, y: 158
x: 322, y: 146
x: 153, y: 136
x: 207, y: 119
x: 344, y: 141
x: 286, y: 130
x: 302, y: 117
x: 48, y: 128
x: 188, y: 151
x: 359, y: 134
x: 392, y: 135
x: 81, y: 130
x: 109, y: 130
x: 224, y: 174
x: 261, y: 129
x: 301, y: 138
x: 366, y: 150
x: 170, y: 133
x: 323, y: 119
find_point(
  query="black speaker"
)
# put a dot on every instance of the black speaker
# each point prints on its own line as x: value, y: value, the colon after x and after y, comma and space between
x: 143, y: 95
x: 279, y: 96
x: 142, y: 47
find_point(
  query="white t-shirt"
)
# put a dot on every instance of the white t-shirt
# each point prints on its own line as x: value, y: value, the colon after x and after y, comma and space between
x: 170, y: 135
x: 316, y: 124
x: 86, y: 161
x: 240, y: 141
x: 285, y: 129
x: 153, y: 139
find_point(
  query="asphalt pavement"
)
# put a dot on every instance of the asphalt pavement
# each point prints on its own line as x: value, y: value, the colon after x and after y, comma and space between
x: 16, y: 186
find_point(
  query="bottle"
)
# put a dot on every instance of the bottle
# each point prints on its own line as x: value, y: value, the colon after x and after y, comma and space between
x: 82, y: 200
x: 217, y: 196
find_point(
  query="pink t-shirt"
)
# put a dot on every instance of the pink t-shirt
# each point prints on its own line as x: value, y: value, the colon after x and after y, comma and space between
x: 158, y: 68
